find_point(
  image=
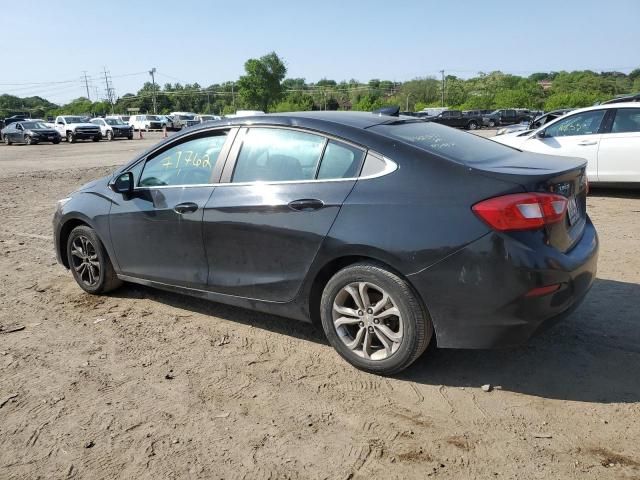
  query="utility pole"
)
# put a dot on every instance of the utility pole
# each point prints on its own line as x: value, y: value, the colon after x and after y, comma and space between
x: 233, y: 97
x: 442, y: 72
x: 152, y: 72
x: 108, y: 88
x: 86, y: 84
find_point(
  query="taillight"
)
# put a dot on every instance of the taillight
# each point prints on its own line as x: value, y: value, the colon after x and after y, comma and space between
x: 522, y: 211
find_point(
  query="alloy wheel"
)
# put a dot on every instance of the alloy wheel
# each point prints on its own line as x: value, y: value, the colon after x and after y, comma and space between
x: 84, y: 258
x: 367, y: 320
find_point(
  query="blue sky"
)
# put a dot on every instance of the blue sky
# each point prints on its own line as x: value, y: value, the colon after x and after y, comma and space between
x: 209, y: 41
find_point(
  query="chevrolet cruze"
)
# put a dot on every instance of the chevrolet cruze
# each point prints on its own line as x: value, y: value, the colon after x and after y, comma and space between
x: 390, y: 232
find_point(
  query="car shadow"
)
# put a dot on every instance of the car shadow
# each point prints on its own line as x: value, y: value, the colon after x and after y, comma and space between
x: 273, y: 323
x: 592, y: 356
x: 595, y: 191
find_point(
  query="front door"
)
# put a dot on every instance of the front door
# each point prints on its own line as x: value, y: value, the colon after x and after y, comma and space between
x: 575, y: 135
x: 263, y: 229
x: 156, y: 232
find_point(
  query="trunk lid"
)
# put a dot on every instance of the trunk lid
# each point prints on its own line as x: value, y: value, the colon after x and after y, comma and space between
x: 564, y: 176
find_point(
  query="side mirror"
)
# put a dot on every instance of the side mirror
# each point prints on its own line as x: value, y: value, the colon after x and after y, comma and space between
x: 540, y: 134
x: 123, y: 183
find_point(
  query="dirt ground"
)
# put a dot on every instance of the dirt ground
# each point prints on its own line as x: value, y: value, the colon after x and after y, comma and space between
x: 147, y: 384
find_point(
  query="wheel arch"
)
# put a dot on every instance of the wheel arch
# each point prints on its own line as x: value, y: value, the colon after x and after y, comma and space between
x: 63, y: 236
x: 333, y: 266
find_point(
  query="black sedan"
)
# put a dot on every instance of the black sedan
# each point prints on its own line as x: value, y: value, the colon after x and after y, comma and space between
x: 391, y: 232
x: 29, y: 133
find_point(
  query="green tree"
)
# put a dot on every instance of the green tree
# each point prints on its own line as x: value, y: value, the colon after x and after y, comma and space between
x: 261, y: 87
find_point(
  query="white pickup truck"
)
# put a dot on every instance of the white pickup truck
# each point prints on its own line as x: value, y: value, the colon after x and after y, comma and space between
x: 73, y: 127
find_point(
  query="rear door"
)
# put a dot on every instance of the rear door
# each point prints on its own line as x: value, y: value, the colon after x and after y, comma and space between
x: 156, y: 231
x: 619, y: 152
x: 576, y: 135
x: 264, y: 226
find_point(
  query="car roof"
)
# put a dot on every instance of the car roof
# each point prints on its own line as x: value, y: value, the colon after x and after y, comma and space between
x: 360, y: 120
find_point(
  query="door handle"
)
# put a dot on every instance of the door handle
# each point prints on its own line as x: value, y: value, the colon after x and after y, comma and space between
x: 306, y: 204
x: 188, y: 207
x: 585, y: 143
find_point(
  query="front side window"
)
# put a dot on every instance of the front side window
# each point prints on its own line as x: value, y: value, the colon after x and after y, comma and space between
x: 585, y: 123
x: 340, y: 161
x: 272, y: 154
x: 627, y: 120
x: 188, y: 163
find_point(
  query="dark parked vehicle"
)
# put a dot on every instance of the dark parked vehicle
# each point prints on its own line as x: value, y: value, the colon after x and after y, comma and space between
x: 455, y: 118
x: 536, y: 123
x: 392, y: 233
x: 623, y: 99
x: 29, y: 133
x: 505, y: 117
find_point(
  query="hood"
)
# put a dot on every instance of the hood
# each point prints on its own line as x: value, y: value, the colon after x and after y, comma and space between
x: 42, y: 131
x: 92, y: 184
x: 83, y: 124
x: 512, y: 139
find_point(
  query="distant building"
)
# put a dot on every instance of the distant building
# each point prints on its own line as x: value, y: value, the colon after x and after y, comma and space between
x: 545, y: 84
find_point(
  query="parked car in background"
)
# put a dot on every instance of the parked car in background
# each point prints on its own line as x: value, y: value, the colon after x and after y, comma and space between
x: 207, y: 118
x: 122, y: 118
x: 431, y: 111
x: 14, y: 118
x: 390, y: 232
x: 29, y: 132
x: 184, y: 119
x: 169, y: 122
x: 624, y: 99
x: 455, y: 118
x: 505, y: 116
x: 533, y: 124
x: 607, y: 136
x: 145, y: 122
x: 73, y: 127
x: 113, y: 128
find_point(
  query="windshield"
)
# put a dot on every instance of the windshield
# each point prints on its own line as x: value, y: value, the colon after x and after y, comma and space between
x: 30, y: 125
x: 74, y: 119
x: 456, y: 145
x: 114, y: 121
x: 185, y: 117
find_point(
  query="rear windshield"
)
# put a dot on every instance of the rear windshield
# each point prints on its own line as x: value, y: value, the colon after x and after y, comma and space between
x: 447, y: 142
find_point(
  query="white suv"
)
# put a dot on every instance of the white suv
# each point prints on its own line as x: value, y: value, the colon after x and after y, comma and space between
x: 607, y: 136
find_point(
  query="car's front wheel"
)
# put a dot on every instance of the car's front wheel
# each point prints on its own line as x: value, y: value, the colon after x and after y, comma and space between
x: 71, y: 138
x: 472, y: 125
x: 89, y: 262
x: 373, y: 318
x: 28, y: 140
x: 492, y: 123
x: 109, y: 135
x: 6, y: 140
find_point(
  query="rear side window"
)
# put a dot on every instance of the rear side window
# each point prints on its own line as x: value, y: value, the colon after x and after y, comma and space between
x: 627, y: 120
x: 456, y: 145
x: 188, y: 163
x: 585, y: 123
x: 272, y: 154
x: 340, y: 161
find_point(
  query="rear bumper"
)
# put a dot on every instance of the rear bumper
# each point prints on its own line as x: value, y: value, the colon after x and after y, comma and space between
x: 477, y: 297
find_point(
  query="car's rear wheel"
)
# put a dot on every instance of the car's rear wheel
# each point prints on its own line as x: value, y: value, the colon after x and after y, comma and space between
x: 492, y: 123
x: 89, y: 262
x: 6, y: 140
x: 373, y: 318
x: 472, y: 125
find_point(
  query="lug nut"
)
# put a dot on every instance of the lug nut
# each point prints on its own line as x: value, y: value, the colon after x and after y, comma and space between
x: 370, y: 329
x: 376, y: 321
x: 369, y: 311
x: 360, y: 313
x: 361, y: 324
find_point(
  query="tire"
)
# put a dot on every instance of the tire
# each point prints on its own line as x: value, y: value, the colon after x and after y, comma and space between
x: 71, y: 138
x: 130, y: 137
x: 96, y: 139
x: 83, y: 267
x: 472, y: 125
x: 28, y: 140
x: 56, y: 142
x: 109, y: 135
x: 410, y: 330
x: 6, y: 140
x: 492, y: 123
